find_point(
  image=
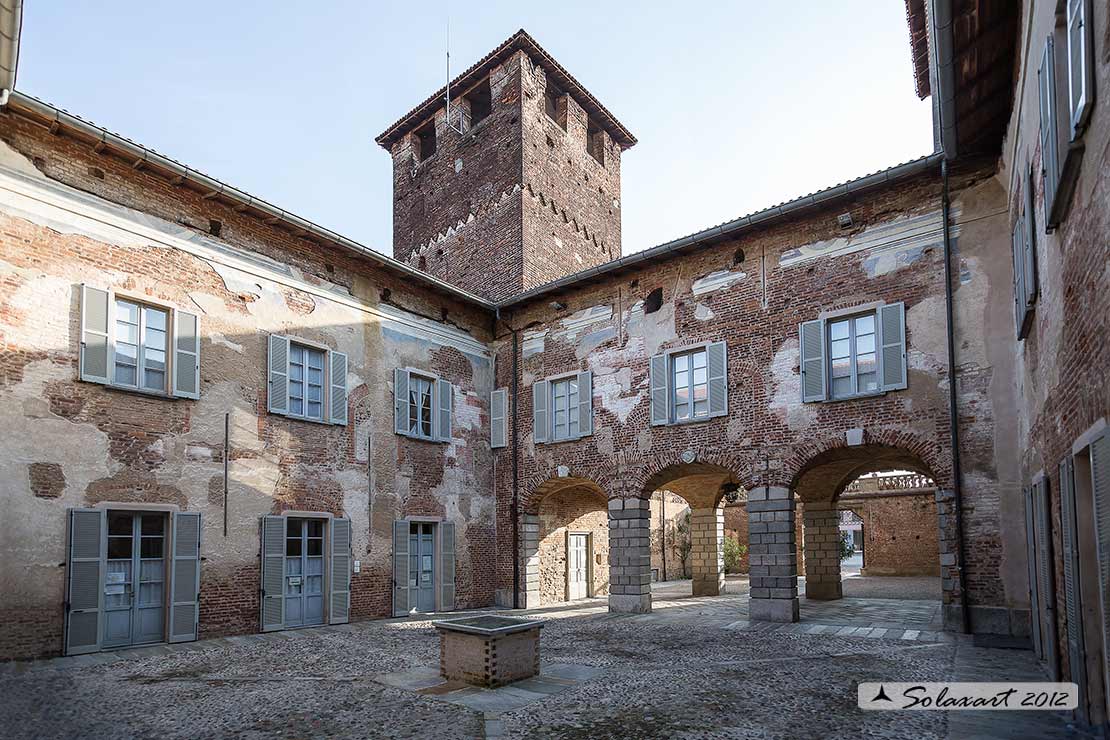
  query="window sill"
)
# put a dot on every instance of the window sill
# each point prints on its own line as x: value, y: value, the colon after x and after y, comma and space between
x: 294, y: 417
x: 856, y: 397
x: 415, y: 438
x: 138, y: 391
x: 687, y: 422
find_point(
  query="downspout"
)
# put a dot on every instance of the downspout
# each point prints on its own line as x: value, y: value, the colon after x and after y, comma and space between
x: 953, y: 412
x: 514, y: 392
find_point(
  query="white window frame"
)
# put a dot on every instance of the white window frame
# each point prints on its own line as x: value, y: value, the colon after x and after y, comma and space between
x: 689, y: 353
x: 140, y: 358
x: 325, y: 403
x: 570, y: 410
x: 850, y: 318
x: 325, y: 391
x: 414, y: 377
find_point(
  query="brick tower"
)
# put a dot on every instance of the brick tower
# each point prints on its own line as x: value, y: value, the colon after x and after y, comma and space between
x: 519, y: 188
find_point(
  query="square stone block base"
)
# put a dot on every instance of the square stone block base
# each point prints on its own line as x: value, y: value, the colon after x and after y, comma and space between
x: 630, y: 603
x: 773, y: 610
x: 489, y: 660
x: 824, y: 591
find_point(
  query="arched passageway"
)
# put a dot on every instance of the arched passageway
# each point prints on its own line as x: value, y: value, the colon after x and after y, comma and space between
x: 565, y: 542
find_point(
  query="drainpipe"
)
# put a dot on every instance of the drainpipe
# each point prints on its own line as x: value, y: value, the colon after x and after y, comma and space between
x: 953, y: 413
x: 516, y: 475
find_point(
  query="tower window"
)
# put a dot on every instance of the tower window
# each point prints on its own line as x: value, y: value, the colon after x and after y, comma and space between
x: 555, y: 105
x: 595, y: 141
x: 480, y: 99
x: 426, y: 139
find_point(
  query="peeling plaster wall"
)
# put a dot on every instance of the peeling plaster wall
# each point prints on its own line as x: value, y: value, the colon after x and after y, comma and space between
x: 753, y: 293
x: 72, y: 443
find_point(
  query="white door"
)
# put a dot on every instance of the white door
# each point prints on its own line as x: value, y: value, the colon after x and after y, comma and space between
x: 577, y: 566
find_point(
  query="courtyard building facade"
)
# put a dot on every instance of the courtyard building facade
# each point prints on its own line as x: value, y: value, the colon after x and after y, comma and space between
x: 225, y: 419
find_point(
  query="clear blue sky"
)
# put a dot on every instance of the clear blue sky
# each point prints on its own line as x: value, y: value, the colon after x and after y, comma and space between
x: 736, y: 105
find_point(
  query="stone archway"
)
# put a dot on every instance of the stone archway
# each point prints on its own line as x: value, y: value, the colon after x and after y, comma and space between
x: 703, y: 486
x: 554, y: 513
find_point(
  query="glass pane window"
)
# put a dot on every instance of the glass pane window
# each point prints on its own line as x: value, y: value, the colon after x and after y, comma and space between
x: 141, y: 342
x: 564, y: 408
x: 690, y: 381
x: 306, y: 382
x: 853, y: 356
x: 420, y: 407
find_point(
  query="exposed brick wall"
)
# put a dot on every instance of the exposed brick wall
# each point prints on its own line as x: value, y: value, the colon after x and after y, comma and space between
x: 899, y: 534
x: 571, y: 511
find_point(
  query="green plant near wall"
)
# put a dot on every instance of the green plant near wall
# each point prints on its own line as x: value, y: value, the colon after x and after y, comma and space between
x: 734, y: 553
x: 847, y: 550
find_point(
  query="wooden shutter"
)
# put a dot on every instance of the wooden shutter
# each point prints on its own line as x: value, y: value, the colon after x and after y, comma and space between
x: 541, y: 399
x: 811, y: 340
x: 273, y: 573
x: 400, y: 568
x: 339, y: 601
x: 185, y: 577
x: 186, y: 354
x: 96, y: 319
x: 277, y: 397
x: 1050, y: 153
x: 1100, y: 479
x: 1046, y: 575
x: 498, y: 426
x: 1072, y: 590
x: 446, y: 566
x: 1029, y: 246
x: 660, y: 391
x: 337, y: 362
x: 401, y: 401
x: 1080, y: 65
x: 1034, y: 595
x: 585, y: 404
x: 892, y: 336
x: 716, y: 360
x: 443, y: 404
x: 1016, y: 243
x: 85, y: 568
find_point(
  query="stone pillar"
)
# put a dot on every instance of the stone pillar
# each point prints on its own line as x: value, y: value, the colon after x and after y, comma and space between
x: 529, y: 561
x: 707, y: 551
x: 629, y: 555
x: 822, y: 550
x: 772, y: 555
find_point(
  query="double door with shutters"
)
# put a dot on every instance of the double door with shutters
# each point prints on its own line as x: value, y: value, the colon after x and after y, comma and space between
x: 306, y: 571
x: 423, y: 566
x: 132, y: 578
x: 578, y: 565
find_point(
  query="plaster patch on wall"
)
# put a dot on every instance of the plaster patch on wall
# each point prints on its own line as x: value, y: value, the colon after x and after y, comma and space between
x: 533, y: 343
x: 716, y: 281
x: 926, y: 328
x: 581, y: 320
x: 41, y: 329
x: 885, y: 262
x: 904, y: 232
x: 218, y: 338
x: 652, y: 330
x: 593, y: 340
x: 466, y: 415
x: 603, y: 438
x: 614, y: 389
x: 786, y: 401
x: 703, y: 312
x: 15, y: 160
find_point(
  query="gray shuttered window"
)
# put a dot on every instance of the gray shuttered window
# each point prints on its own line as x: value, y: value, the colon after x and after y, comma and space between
x: 1029, y: 246
x: 1080, y: 65
x: 585, y: 404
x: 1031, y: 561
x: 660, y: 390
x: 716, y: 360
x: 85, y: 567
x: 277, y: 394
x: 1100, y: 479
x: 892, y: 338
x: 185, y: 577
x: 273, y: 573
x: 1017, y: 243
x: 444, y: 401
x: 401, y: 401
x: 1050, y: 152
x: 95, y: 317
x: 446, y: 566
x: 400, y: 568
x: 811, y: 340
x: 1069, y: 540
x: 186, y: 354
x: 339, y: 600
x: 541, y: 400
x: 1046, y: 575
x: 337, y: 364
x: 498, y: 423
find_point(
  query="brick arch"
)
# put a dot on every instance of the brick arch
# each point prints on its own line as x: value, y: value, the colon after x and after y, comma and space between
x: 820, y: 470
x: 535, y: 493
x: 663, y: 470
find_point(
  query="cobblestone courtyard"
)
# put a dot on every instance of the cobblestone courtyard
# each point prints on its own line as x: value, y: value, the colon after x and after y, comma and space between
x: 695, y: 667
